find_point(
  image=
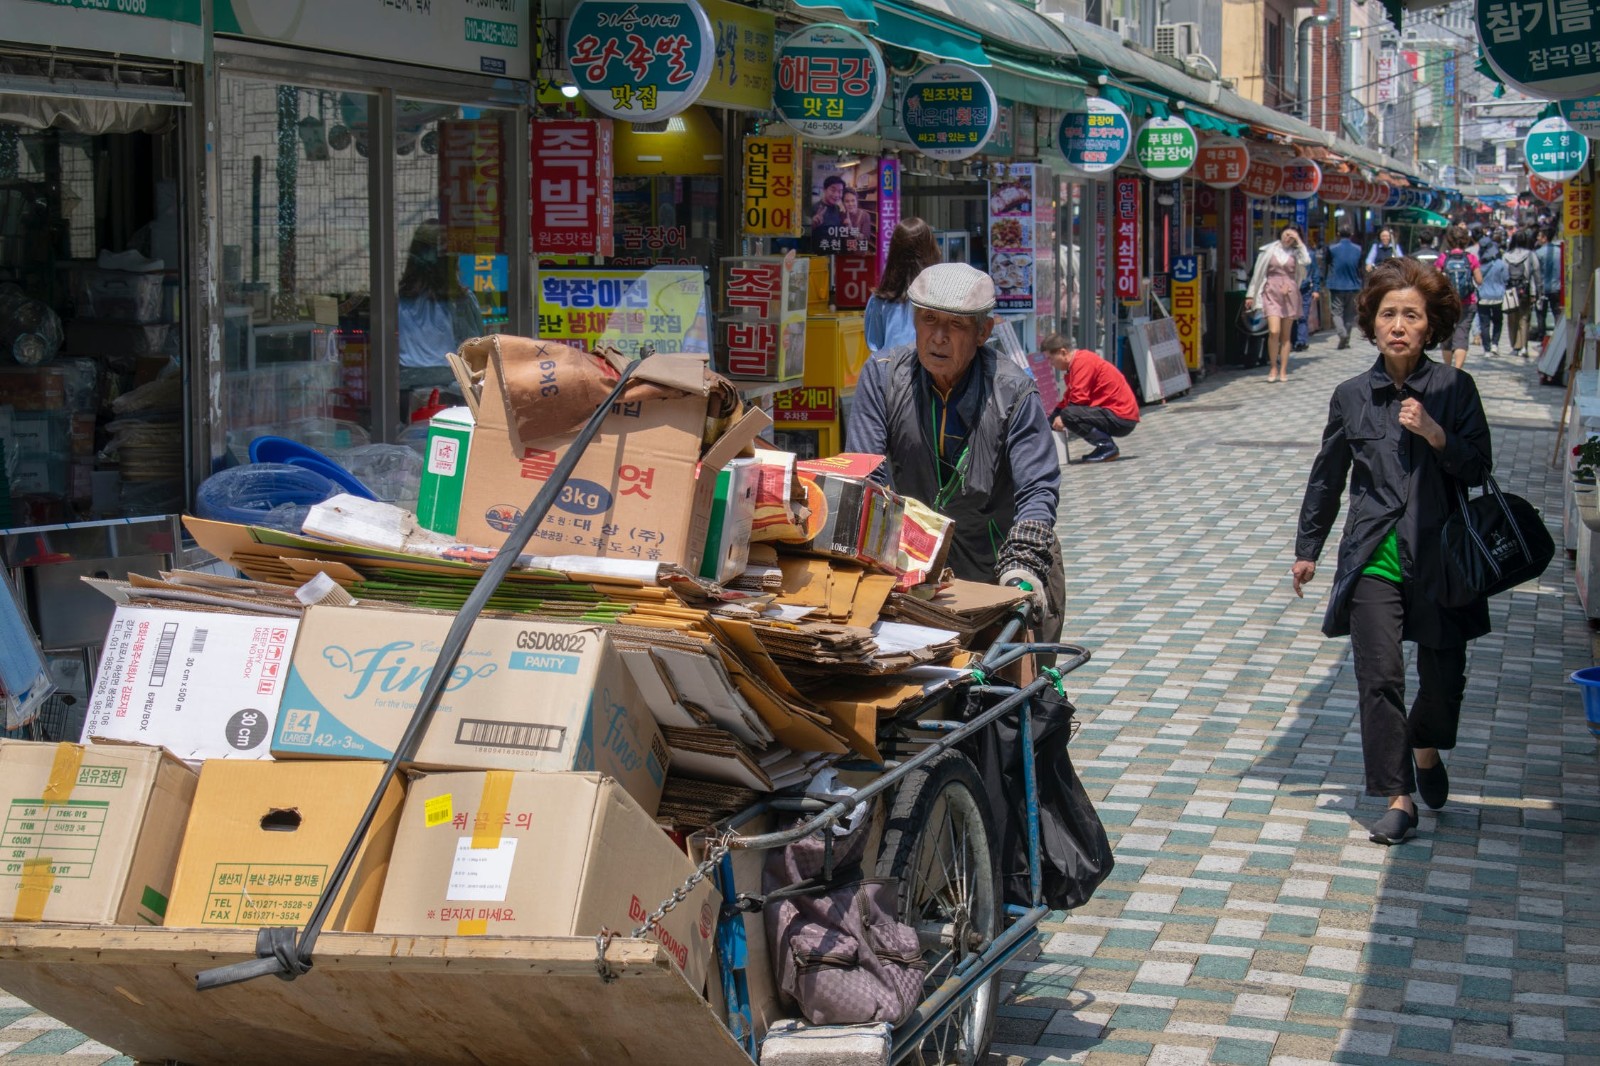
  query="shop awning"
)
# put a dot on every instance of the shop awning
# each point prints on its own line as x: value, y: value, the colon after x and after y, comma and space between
x: 1002, y: 21
x: 906, y: 26
x: 855, y: 10
x: 1030, y: 83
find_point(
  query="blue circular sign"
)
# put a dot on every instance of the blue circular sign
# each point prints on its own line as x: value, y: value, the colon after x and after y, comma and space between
x: 1096, y: 139
x: 640, y: 60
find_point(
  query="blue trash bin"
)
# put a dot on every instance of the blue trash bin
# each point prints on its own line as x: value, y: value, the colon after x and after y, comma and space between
x: 1589, y: 684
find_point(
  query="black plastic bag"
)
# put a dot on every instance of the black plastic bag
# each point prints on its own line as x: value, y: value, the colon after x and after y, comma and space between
x: 1074, y: 854
x: 1492, y: 543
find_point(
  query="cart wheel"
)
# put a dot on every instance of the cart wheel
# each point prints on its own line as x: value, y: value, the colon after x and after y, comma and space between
x: 938, y: 845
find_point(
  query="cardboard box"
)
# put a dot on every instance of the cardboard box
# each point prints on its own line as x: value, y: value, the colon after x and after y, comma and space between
x: 524, y: 696
x: 265, y: 836
x: 852, y: 517
x: 504, y: 854
x: 444, y: 470
x: 91, y: 833
x: 203, y: 685
x: 635, y: 494
x: 733, y: 516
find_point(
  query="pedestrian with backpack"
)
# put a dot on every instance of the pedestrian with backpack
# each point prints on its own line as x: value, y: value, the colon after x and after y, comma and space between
x: 1460, y: 266
x: 1491, y: 304
x: 1429, y: 254
x: 1524, y: 286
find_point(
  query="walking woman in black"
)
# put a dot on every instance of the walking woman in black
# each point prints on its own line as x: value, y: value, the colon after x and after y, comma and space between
x: 1402, y: 434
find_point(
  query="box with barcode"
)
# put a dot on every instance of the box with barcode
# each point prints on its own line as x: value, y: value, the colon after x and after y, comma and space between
x: 203, y: 685
x: 523, y: 695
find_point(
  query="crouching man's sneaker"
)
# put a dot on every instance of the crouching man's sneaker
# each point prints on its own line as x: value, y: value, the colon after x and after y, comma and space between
x: 1103, y: 453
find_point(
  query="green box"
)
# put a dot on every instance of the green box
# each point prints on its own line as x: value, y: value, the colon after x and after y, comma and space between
x: 733, y: 514
x: 444, y: 470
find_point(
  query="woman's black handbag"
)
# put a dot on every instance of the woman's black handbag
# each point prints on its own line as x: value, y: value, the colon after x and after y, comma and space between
x: 1494, y: 542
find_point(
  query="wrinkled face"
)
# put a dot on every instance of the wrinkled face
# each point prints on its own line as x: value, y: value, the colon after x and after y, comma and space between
x: 947, y: 344
x: 1401, y: 324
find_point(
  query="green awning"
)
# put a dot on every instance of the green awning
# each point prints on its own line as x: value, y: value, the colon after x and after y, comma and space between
x: 1030, y: 83
x: 855, y: 10
x: 1001, y: 21
x: 905, y: 26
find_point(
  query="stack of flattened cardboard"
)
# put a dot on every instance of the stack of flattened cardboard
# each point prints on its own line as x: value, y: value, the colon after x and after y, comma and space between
x: 967, y: 607
x: 692, y: 805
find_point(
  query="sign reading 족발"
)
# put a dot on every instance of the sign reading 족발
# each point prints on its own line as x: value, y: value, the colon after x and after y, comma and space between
x: 1583, y: 115
x: 640, y: 60
x: 949, y: 111
x: 1301, y: 179
x: 830, y: 81
x: 1554, y: 150
x: 1166, y: 148
x: 1222, y: 162
x: 1097, y: 138
x: 1550, y: 50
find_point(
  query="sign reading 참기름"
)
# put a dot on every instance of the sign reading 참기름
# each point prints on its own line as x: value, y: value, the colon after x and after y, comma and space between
x: 1547, y: 48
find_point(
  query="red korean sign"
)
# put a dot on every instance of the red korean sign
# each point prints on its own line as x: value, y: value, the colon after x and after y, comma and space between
x: 1301, y: 179
x: 1238, y: 231
x: 1337, y: 187
x: 1545, y: 190
x: 572, y: 205
x: 1379, y: 194
x: 1264, y: 181
x: 853, y: 279
x: 809, y: 403
x: 472, y: 193
x: 1222, y: 163
x: 1125, y: 252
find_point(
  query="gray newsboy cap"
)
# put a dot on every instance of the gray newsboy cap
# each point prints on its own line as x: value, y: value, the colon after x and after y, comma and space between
x: 954, y: 288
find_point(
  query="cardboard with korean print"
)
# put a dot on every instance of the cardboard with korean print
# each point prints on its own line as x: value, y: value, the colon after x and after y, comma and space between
x: 843, y: 213
x: 830, y: 81
x: 949, y: 111
x: 1222, y: 162
x: 1554, y: 150
x: 640, y: 60
x: 1166, y: 148
x: 357, y: 673
x: 1583, y: 115
x: 1549, y: 50
x: 1094, y: 140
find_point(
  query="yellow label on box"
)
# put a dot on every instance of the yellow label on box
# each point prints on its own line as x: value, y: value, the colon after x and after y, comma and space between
x: 437, y: 811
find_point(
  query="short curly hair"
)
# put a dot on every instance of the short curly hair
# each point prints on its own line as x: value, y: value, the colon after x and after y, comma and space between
x: 1400, y: 272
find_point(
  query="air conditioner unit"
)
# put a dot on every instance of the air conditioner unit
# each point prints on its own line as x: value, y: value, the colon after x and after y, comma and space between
x: 1126, y: 28
x: 1176, y: 40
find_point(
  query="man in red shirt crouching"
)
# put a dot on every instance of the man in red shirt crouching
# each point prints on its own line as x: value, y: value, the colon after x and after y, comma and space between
x: 1097, y: 404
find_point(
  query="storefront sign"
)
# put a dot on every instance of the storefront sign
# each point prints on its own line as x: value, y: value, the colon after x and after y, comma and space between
x: 1046, y: 379
x: 1337, y: 187
x: 1378, y: 193
x: 1125, y: 257
x: 772, y: 186
x: 1555, y: 150
x: 472, y: 193
x: 1549, y: 50
x: 844, y: 203
x: 639, y: 60
x: 1578, y: 215
x: 1264, y: 181
x: 948, y: 111
x: 1012, y: 243
x: 160, y: 29
x: 809, y: 403
x: 1096, y: 139
x: 1159, y: 355
x: 1546, y: 191
x: 572, y: 205
x: 830, y: 81
x: 1166, y: 148
x: 1395, y: 193
x: 464, y: 35
x: 1186, y: 307
x: 888, y: 207
x: 763, y: 324
x: 1222, y: 162
x: 853, y: 279
x: 1583, y: 115
x: 664, y: 307
x: 1238, y: 231
x: 1301, y: 179
x: 746, y: 42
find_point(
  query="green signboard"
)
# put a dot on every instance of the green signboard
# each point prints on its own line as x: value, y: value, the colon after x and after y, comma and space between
x: 1548, y: 49
x: 1583, y: 115
x: 830, y: 81
x: 1166, y: 148
x: 1554, y: 150
x: 640, y: 60
x: 159, y: 29
x: 949, y: 111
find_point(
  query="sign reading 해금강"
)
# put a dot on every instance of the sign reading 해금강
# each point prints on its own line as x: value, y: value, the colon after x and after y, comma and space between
x: 949, y: 111
x: 1096, y: 139
x: 830, y: 81
x: 1554, y: 150
x: 640, y: 60
x: 1166, y: 148
x: 1548, y: 49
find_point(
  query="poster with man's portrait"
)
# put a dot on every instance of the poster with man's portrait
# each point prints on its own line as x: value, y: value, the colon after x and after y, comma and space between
x: 843, y: 208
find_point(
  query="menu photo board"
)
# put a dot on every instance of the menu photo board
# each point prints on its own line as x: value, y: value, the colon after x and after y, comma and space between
x: 1012, y: 244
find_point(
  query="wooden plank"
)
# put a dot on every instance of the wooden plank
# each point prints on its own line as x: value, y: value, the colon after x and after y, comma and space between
x: 370, y: 999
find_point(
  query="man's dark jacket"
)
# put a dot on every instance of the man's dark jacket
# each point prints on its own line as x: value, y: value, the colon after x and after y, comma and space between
x: 1397, y: 481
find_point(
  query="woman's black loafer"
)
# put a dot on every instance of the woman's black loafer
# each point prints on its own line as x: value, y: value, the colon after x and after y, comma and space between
x: 1395, y: 825
x: 1433, y: 785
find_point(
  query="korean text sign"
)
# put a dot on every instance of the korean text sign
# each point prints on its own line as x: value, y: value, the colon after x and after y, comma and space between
x: 572, y: 191
x: 1125, y: 255
x: 772, y: 187
x: 949, y: 111
x: 1222, y: 162
x: 830, y: 81
x: 664, y: 307
x: 1547, y: 48
x: 1554, y: 150
x: 1166, y: 148
x: 1186, y: 307
x: 1097, y: 138
x: 640, y: 60
x: 763, y: 322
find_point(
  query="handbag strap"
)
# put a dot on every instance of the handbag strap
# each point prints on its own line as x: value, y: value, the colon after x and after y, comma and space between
x: 1492, y: 486
x: 1472, y: 531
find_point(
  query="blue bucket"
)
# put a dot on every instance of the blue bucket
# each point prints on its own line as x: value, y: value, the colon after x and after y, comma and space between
x: 1589, y: 684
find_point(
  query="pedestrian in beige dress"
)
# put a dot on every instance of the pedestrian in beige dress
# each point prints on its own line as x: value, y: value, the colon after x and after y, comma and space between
x: 1275, y: 285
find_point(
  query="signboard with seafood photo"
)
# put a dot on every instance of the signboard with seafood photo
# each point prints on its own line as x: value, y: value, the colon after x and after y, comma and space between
x: 1011, y: 237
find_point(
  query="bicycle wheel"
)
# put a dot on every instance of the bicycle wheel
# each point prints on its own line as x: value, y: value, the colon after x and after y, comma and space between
x: 939, y: 845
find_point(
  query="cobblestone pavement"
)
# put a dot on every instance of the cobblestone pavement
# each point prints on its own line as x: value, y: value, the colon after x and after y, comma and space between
x: 1249, y: 921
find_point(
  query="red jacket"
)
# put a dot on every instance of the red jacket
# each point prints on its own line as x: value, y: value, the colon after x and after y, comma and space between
x: 1093, y: 382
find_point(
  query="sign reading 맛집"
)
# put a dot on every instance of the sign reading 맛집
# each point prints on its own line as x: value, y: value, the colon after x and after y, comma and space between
x: 830, y: 81
x: 572, y: 187
x: 640, y: 60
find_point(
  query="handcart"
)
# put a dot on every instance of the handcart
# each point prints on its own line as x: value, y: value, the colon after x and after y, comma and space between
x: 188, y: 996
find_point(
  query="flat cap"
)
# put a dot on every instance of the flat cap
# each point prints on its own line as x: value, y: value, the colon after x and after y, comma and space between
x: 954, y: 288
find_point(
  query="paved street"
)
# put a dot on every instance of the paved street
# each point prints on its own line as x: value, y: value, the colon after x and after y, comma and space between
x: 1249, y: 921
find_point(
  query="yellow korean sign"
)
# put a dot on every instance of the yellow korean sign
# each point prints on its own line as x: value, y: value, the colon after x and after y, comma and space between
x: 772, y: 188
x: 1186, y: 307
x: 663, y: 308
x: 746, y: 44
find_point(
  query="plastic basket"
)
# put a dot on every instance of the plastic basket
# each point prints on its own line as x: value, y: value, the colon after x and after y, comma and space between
x: 1589, y: 684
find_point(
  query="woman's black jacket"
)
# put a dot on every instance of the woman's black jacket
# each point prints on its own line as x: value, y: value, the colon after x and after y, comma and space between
x: 1397, y: 481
